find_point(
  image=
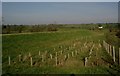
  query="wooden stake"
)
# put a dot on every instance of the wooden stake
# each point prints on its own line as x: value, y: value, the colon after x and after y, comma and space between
x: 61, y: 52
x: 90, y: 52
x: 45, y: 55
x: 61, y: 47
x: 119, y: 56
x: 19, y: 57
x: 42, y: 58
x: 24, y: 58
x: 39, y: 53
x: 9, y: 60
x: 74, y: 45
x: 56, y: 61
x: 106, y: 46
x: 113, y: 53
x: 31, y: 61
x: 29, y: 54
x: 110, y: 50
x: 68, y: 55
x: 72, y: 54
x: 56, y: 53
x: 54, y: 49
x: 76, y: 52
x: 50, y: 56
x: 85, y: 61
x: 65, y: 57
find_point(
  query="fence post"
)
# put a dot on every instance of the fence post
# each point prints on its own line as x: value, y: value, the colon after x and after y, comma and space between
x: 107, y: 48
x: 105, y: 45
x: 113, y: 53
x: 31, y: 61
x: 119, y: 56
x: 19, y: 57
x: 110, y: 50
x: 9, y: 60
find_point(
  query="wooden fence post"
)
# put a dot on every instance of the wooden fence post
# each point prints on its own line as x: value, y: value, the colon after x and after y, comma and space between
x: 110, y: 50
x: 31, y: 61
x: 113, y: 53
x: 105, y: 46
x: 103, y: 43
x: 119, y: 56
x: 9, y: 60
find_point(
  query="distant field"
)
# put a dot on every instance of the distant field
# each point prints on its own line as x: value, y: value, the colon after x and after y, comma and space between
x: 72, y: 46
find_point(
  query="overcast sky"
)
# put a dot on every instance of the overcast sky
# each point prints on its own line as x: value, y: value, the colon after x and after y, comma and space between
x: 60, y: 0
x: 60, y: 12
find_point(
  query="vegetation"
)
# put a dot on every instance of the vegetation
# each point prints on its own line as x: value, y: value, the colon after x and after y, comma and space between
x: 54, y: 38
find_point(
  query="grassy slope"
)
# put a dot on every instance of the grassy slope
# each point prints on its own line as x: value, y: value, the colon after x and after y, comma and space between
x: 13, y: 45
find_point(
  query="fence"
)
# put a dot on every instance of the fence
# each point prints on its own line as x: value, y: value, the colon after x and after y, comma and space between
x: 112, y: 51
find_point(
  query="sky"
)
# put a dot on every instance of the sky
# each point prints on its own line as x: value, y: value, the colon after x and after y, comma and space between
x: 59, y: 12
x: 0, y: 13
x: 60, y: 0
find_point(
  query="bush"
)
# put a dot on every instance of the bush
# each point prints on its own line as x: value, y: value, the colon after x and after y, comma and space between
x: 118, y: 34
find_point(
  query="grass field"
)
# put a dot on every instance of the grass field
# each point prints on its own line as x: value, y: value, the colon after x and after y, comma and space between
x: 65, y: 41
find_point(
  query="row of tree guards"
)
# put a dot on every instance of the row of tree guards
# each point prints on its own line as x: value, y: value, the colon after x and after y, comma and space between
x: 42, y: 56
x: 58, y: 57
x: 86, y: 58
x: 54, y: 57
x: 112, y: 51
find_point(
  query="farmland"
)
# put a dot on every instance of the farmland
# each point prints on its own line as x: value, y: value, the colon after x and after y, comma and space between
x: 59, y: 52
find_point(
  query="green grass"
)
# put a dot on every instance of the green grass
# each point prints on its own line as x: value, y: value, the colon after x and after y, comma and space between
x: 13, y: 45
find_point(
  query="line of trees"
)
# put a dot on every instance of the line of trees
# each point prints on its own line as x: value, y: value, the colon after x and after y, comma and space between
x: 7, y: 29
